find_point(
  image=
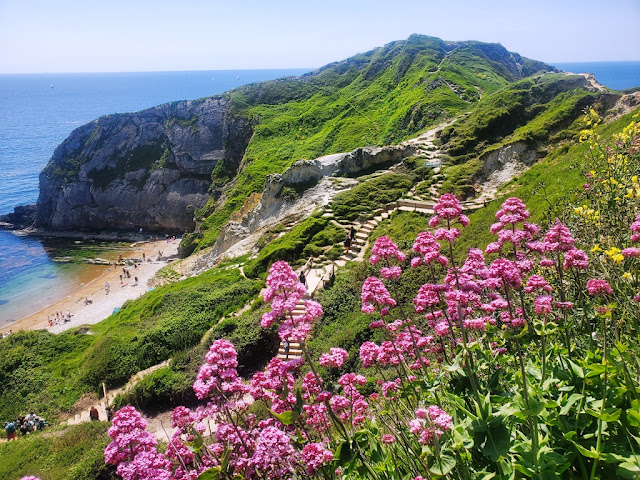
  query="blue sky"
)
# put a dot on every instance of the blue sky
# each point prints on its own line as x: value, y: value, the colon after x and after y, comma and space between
x: 152, y: 35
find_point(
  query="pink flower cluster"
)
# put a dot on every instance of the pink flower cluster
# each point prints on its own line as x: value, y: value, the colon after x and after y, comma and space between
x: 375, y: 293
x: 635, y: 230
x: 385, y: 249
x: 429, y: 249
x: 284, y: 291
x: 335, y: 357
x: 219, y: 375
x: 512, y: 212
x: 448, y: 212
x: 133, y: 449
x: 598, y: 287
x: 430, y: 423
x: 315, y: 455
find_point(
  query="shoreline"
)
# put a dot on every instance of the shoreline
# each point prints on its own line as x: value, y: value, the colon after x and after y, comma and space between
x: 103, y: 304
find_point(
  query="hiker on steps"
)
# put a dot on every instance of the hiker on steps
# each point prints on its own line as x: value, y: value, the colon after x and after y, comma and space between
x: 347, y: 243
x: 93, y: 414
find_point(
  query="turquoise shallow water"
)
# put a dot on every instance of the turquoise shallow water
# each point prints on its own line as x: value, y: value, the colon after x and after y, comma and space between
x: 37, y: 112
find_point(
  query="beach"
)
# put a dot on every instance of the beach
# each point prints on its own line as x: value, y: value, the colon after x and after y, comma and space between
x: 102, y: 303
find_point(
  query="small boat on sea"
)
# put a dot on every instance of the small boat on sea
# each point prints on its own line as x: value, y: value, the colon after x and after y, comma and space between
x: 51, y: 85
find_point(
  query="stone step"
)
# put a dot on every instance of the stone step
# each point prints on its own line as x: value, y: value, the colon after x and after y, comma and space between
x: 340, y: 263
x: 426, y: 211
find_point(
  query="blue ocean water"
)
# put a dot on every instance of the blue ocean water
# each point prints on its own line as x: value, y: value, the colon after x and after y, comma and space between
x: 615, y: 75
x: 37, y: 112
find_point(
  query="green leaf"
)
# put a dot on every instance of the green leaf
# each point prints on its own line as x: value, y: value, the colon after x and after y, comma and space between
x: 596, y: 369
x: 609, y: 415
x: 442, y: 464
x: 629, y: 470
x: 577, y: 370
x: 212, y: 474
x: 570, y: 401
x: 286, y: 418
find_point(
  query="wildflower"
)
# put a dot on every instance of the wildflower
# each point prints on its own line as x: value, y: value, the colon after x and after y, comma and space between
x: 219, y: 375
x: 391, y: 272
x: 427, y: 297
x: 335, y: 358
x: 314, y: 455
x: 558, y: 238
x: 374, y: 292
x: 384, y: 248
x: 564, y: 305
x: 576, y: 258
x: 430, y: 423
x: 633, y: 252
x: 427, y: 246
x: 368, y: 353
x: 273, y: 453
x: 448, y: 211
x: 388, y: 439
x: 542, y: 304
x: 537, y: 282
x: 506, y: 271
x: 597, y: 286
x: 614, y: 254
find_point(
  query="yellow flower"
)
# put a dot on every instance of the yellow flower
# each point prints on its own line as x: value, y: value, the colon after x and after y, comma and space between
x: 596, y: 248
x: 626, y: 275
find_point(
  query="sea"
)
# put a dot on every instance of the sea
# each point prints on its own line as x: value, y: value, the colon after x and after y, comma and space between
x: 38, y: 111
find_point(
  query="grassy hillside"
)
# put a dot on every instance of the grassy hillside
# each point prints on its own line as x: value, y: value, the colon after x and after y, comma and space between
x: 47, y: 373
x: 376, y: 98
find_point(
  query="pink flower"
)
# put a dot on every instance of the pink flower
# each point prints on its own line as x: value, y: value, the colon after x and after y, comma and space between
x: 335, y: 358
x: 448, y: 207
x: 273, y: 454
x: 430, y: 423
x: 283, y: 292
x: 506, y: 271
x: 427, y: 297
x: 384, y: 248
x: 314, y: 455
x: 427, y: 246
x: 564, y: 305
x: 631, y: 252
x: 537, y: 282
x: 388, y: 439
x: 542, y: 304
x: 390, y: 272
x: 368, y: 354
x: 219, y: 375
x: 558, y: 238
x: 635, y: 229
x: 577, y: 259
x: 374, y: 292
x: 596, y: 286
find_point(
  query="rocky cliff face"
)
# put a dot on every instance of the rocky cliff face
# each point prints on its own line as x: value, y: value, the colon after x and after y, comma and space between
x: 147, y: 170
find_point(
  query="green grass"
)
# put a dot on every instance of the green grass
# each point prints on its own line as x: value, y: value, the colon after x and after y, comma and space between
x: 546, y: 188
x: 70, y: 453
x: 377, y: 98
x: 370, y: 194
x: 47, y: 373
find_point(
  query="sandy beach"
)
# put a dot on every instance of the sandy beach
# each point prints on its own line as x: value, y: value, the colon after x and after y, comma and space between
x: 103, y: 303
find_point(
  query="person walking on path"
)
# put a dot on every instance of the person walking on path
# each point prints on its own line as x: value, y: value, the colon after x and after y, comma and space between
x: 106, y: 288
x: 347, y: 243
x: 303, y: 279
x: 93, y: 414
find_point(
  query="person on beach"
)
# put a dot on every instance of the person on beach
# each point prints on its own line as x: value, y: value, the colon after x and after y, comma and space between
x: 106, y: 288
x: 120, y: 279
x: 144, y: 258
x: 136, y: 281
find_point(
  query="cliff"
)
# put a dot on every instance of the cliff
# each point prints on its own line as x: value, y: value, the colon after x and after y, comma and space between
x: 164, y: 167
x: 147, y: 170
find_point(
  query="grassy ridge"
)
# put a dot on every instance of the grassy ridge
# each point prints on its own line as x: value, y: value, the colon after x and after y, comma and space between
x: 376, y: 98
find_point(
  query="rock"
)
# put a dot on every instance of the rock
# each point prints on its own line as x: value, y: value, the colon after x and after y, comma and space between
x: 149, y: 169
x: 22, y: 217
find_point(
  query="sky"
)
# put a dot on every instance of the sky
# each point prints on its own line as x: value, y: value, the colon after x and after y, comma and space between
x: 38, y: 36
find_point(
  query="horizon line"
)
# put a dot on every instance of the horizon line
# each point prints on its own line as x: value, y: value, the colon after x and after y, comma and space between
x: 254, y: 69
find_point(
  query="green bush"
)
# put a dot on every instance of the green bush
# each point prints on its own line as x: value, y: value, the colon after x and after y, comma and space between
x: 370, y: 194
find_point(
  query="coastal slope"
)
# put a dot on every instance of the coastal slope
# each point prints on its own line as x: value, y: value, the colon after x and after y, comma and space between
x: 189, y: 165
